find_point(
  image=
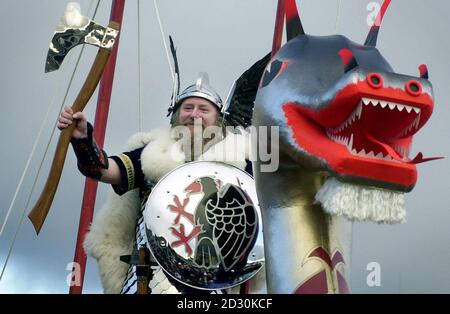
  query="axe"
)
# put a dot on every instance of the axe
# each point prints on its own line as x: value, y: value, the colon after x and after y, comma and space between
x: 73, y: 29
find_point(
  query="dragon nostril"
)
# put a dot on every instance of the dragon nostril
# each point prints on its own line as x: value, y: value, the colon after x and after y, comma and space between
x: 414, y: 88
x: 375, y: 80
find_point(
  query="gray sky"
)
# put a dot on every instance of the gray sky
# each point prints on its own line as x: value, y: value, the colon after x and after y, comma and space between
x: 222, y: 38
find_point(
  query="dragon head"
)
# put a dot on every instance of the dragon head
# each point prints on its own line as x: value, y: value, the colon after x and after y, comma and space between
x: 341, y: 107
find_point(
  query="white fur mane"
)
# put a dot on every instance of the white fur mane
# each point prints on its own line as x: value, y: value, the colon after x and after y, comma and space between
x: 360, y: 203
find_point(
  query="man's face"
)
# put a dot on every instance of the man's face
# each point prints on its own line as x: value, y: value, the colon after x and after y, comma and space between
x: 197, y: 110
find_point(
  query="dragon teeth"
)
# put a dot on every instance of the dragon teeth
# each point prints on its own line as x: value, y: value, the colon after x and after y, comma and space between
x: 413, y: 125
x: 359, y: 110
x: 350, y: 143
x: 417, y: 121
x: 357, y: 113
x: 339, y: 139
x: 391, y: 105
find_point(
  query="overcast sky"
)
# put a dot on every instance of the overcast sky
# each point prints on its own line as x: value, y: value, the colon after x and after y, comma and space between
x: 222, y: 38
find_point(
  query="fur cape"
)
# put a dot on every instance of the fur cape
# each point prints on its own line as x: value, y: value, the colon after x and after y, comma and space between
x: 112, y: 232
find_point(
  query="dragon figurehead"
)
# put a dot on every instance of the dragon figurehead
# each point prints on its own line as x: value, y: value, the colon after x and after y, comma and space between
x: 346, y: 122
x: 341, y: 104
x: 342, y: 108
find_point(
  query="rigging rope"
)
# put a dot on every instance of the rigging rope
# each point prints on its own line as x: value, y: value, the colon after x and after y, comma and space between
x: 43, y: 158
x: 164, y: 41
x: 338, y: 16
x: 139, y: 63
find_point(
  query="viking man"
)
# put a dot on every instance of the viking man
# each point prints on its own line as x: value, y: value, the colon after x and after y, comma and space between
x: 118, y: 230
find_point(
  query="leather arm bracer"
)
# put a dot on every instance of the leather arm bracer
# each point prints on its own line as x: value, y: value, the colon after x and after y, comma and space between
x: 91, y: 159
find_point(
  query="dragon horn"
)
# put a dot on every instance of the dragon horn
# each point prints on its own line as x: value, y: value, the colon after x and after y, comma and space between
x: 371, y: 39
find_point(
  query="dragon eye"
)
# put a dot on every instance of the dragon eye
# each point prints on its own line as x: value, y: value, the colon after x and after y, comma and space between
x: 413, y: 88
x: 274, y: 69
x: 375, y: 80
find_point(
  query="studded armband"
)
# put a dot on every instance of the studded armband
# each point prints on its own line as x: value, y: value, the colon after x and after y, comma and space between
x: 91, y: 159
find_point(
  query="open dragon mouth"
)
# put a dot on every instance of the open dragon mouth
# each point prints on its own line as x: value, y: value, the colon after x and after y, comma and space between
x: 363, y: 136
x: 378, y: 129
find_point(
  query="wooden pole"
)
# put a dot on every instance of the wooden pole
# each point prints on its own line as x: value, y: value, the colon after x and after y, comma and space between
x: 101, y: 118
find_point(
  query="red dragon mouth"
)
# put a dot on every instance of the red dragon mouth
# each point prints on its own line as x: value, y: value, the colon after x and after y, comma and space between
x: 364, y: 135
x: 378, y: 129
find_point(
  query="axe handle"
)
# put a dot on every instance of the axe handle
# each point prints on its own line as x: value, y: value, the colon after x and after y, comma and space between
x: 39, y: 212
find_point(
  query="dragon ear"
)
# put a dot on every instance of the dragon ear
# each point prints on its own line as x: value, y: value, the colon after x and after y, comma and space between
x: 423, y: 70
x: 293, y: 24
x: 371, y: 39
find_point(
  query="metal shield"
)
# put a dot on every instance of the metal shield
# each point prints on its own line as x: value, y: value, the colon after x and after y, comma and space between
x: 203, y: 225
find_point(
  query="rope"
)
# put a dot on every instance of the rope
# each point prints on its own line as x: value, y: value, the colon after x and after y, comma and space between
x: 43, y: 158
x: 164, y: 40
x: 139, y: 63
x: 338, y: 16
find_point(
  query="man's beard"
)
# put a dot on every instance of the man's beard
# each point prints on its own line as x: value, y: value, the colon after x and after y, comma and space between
x: 198, y: 139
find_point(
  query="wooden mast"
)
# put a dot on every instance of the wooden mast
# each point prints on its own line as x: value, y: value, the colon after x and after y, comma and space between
x: 90, y: 188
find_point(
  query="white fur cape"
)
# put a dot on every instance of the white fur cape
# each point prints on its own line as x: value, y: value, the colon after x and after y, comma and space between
x: 112, y: 232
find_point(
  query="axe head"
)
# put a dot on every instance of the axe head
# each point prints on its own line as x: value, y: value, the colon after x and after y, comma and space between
x: 75, y: 29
